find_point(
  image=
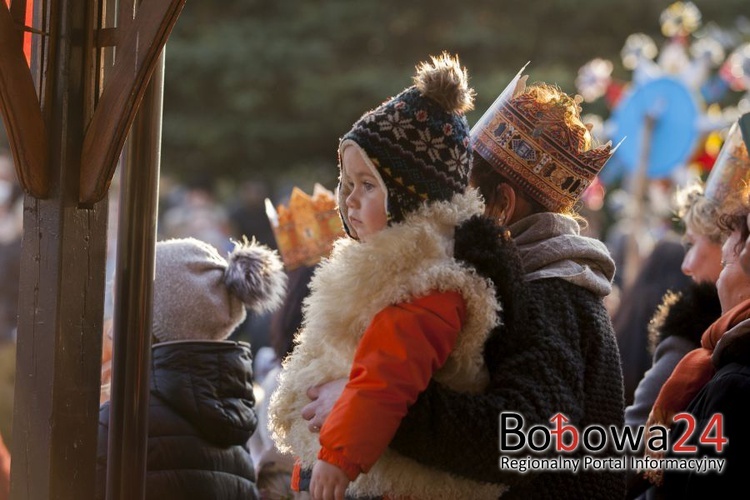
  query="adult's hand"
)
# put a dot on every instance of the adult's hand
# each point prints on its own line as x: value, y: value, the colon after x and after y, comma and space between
x: 322, y: 398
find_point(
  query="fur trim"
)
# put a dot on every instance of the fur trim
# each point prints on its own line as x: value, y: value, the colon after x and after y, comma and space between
x: 417, y: 482
x: 687, y: 314
x: 255, y: 275
x: 347, y: 291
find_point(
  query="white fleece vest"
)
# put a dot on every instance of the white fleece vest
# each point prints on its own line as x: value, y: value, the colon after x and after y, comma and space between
x: 402, y: 262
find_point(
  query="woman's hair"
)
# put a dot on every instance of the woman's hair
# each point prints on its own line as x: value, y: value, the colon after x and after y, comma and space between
x: 484, y: 177
x: 734, y: 218
x: 699, y: 213
x: 553, y: 97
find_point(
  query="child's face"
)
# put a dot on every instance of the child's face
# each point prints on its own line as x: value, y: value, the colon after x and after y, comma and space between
x: 366, y: 202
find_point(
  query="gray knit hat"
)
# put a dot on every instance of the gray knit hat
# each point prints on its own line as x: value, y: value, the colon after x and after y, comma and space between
x: 198, y: 295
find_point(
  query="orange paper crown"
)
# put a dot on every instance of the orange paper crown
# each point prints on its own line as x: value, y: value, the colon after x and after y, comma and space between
x: 306, y: 229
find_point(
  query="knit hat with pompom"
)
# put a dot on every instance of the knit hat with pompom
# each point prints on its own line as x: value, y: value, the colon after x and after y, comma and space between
x: 199, y: 295
x: 418, y: 141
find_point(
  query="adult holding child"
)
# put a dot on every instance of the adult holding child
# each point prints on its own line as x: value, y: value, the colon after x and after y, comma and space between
x: 555, y: 351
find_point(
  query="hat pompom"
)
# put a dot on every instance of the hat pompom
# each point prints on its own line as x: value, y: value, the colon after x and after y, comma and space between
x: 255, y: 275
x: 444, y: 81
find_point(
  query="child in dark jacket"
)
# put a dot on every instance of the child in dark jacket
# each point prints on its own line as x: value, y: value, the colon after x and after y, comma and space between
x: 201, y: 407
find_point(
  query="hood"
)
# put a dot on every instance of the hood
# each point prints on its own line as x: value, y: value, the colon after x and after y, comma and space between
x: 209, y: 383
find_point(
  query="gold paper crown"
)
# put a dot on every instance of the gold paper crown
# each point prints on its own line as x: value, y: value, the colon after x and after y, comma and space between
x: 531, y: 143
x: 306, y: 229
x: 731, y: 171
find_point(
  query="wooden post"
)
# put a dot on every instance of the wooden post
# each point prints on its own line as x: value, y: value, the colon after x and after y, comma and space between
x: 638, y: 226
x: 66, y: 128
x: 128, y: 426
x: 61, y: 292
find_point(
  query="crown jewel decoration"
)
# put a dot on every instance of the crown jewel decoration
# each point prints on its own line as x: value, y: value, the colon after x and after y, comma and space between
x: 306, y: 229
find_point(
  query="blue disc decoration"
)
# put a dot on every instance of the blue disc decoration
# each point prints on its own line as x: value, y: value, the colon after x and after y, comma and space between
x: 675, y: 131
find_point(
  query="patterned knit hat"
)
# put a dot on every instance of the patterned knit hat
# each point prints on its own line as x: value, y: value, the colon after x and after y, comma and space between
x: 535, y: 138
x: 199, y: 295
x: 418, y: 141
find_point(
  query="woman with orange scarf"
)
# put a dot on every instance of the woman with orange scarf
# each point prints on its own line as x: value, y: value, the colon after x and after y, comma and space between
x: 714, y: 379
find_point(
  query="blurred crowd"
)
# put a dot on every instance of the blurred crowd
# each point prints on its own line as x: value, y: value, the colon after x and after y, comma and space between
x: 666, y: 264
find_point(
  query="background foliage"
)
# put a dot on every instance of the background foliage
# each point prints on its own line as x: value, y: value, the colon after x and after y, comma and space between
x: 263, y: 89
x: 258, y: 89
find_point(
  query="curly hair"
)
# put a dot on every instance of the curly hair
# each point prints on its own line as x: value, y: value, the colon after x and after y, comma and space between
x: 699, y: 213
x: 553, y: 97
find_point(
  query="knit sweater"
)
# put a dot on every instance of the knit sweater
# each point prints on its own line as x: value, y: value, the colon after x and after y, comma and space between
x: 556, y: 352
x: 347, y: 292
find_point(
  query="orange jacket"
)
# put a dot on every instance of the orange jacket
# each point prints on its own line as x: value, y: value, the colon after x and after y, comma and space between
x: 395, y: 359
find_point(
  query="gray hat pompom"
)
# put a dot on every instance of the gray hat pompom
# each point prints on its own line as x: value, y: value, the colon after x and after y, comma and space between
x: 255, y: 274
x: 199, y: 295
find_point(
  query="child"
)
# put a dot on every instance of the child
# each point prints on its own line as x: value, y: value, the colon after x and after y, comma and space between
x: 201, y: 405
x: 391, y: 308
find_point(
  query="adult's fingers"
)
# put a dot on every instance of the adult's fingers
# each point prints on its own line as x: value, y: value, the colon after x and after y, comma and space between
x: 313, y: 392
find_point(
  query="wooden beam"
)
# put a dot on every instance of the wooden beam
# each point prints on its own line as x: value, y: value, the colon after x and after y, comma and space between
x: 128, y: 416
x: 61, y: 292
x: 21, y: 112
x: 139, y: 48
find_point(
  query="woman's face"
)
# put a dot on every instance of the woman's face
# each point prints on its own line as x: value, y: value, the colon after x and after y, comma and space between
x: 733, y: 284
x: 702, y: 260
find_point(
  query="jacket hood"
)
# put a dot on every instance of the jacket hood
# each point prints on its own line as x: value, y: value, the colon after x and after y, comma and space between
x: 210, y: 383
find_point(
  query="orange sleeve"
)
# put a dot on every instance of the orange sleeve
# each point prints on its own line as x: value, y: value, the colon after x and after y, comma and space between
x: 396, y: 357
x: 4, y: 470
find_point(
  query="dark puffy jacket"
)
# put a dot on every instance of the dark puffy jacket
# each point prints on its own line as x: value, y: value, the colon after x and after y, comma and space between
x: 201, y: 415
